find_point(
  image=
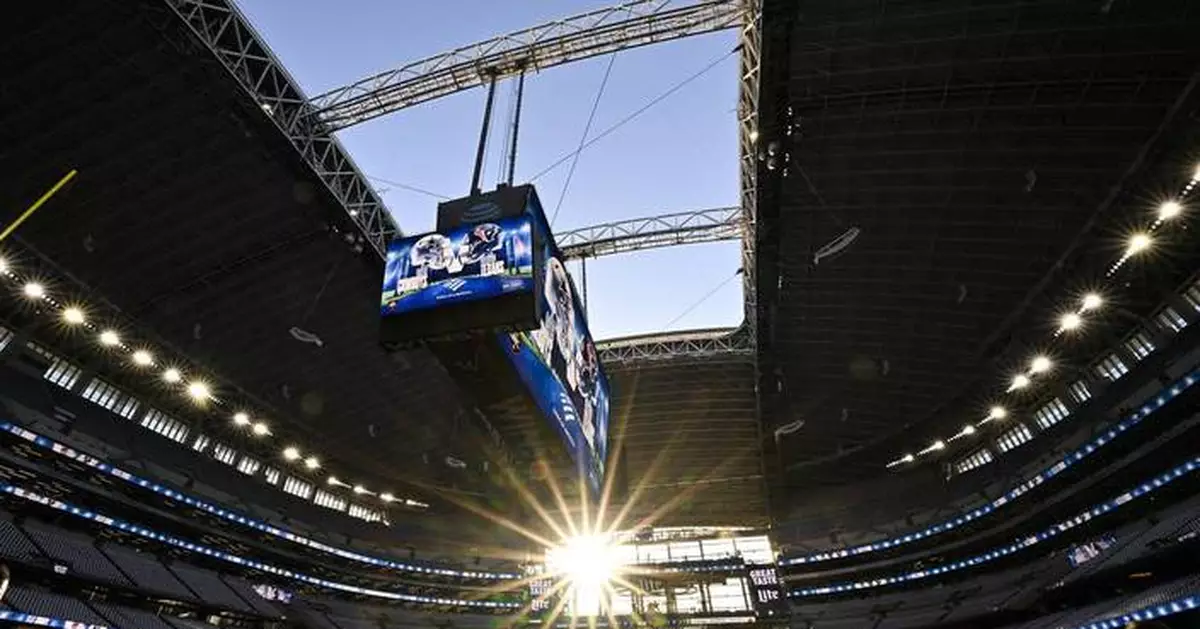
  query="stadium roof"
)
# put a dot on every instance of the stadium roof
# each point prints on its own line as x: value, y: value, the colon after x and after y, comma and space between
x: 986, y: 163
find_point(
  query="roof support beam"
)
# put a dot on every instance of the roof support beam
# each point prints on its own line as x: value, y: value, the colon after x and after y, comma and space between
x: 741, y: 343
x: 600, y: 32
x: 665, y: 230
x: 725, y: 344
x: 220, y: 26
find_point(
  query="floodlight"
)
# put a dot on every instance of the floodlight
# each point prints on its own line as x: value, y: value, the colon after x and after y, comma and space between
x: 1040, y: 364
x: 199, y: 391
x: 33, y: 290
x: 73, y: 315
x: 1138, y: 243
x: 1169, y: 210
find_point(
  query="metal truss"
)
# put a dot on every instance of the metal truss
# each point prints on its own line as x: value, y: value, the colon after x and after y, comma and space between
x: 219, y: 26
x: 743, y: 341
x: 591, y: 34
x: 726, y: 343
x: 747, y: 112
x: 666, y: 230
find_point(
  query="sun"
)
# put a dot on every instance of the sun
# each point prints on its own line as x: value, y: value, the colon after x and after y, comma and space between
x: 587, y: 565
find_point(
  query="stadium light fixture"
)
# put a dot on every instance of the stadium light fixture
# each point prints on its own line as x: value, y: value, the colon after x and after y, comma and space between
x: 1091, y: 301
x: 1020, y: 381
x: 1169, y: 210
x: 909, y: 458
x: 359, y: 489
x: 938, y: 445
x: 34, y: 290
x: 1040, y: 364
x: 386, y: 497
x: 969, y: 429
x: 73, y: 316
x: 1138, y: 243
x: 199, y: 391
x: 997, y: 412
x: 1070, y: 321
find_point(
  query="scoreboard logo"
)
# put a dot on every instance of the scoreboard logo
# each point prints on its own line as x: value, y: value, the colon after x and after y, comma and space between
x: 485, y: 211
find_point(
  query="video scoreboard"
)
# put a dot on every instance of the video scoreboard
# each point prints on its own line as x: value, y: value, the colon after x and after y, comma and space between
x: 492, y: 271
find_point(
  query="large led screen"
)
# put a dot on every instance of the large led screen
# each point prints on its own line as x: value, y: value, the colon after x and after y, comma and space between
x: 465, y: 264
x: 559, y: 365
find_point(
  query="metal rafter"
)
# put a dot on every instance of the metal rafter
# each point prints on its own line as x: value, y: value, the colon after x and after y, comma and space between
x: 666, y: 230
x: 219, y: 26
x: 749, y: 66
x: 588, y: 35
x: 726, y: 343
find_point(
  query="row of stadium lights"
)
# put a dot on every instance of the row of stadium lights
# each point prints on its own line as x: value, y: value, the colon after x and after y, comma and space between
x: 1069, y: 321
x: 199, y: 390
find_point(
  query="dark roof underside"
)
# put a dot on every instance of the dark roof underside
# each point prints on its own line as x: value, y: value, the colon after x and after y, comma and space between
x: 981, y: 147
x: 691, y: 440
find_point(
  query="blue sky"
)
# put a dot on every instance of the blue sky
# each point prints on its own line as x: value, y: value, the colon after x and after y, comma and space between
x: 679, y: 155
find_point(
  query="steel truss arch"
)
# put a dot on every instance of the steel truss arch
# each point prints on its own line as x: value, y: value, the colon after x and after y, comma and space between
x: 723, y: 343
x: 229, y: 37
x: 664, y: 230
x: 599, y: 32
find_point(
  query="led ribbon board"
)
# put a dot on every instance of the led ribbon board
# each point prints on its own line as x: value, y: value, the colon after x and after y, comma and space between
x: 558, y: 362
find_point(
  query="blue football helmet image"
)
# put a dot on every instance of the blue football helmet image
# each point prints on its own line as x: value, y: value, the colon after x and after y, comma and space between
x: 482, y: 240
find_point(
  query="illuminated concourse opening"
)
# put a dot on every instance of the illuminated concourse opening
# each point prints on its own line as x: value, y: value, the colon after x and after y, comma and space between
x: 662, y: 572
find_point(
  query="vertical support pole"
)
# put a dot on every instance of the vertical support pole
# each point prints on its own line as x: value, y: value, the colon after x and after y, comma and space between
x: 583, y: 274
x: 516, y: 128
x: 483, y: 136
